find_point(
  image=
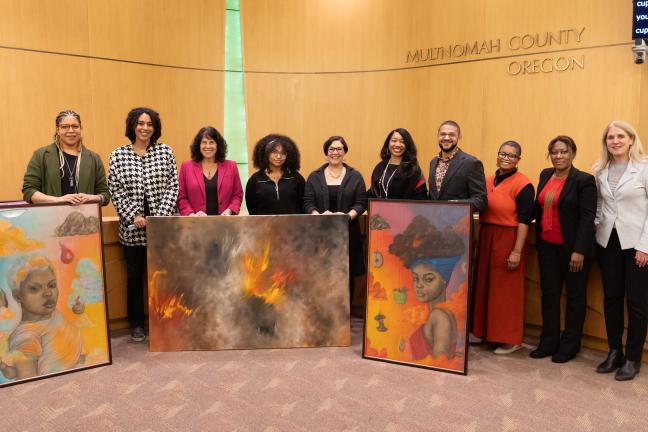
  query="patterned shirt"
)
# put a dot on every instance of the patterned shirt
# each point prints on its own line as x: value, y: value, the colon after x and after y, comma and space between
x: 442, y: 167
x: 132, y: 177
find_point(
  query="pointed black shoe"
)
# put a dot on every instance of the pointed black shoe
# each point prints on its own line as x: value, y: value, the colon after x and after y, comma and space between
x: 614, y: 360
x: 628, y: 371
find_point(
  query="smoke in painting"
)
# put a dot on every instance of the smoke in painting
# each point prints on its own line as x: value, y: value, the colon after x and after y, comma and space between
x: 52, y: 298
x: 248, y: 282
x: 417, y: 284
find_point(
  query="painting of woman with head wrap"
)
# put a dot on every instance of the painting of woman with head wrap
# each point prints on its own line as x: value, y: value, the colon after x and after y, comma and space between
x: 418, y: 289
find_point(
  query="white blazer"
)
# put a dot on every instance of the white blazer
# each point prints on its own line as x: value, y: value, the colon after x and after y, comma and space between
x: 626, y: 210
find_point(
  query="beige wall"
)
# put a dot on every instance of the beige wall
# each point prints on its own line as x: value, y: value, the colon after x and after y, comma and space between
x: 128, y: 53
x: 315, y: 38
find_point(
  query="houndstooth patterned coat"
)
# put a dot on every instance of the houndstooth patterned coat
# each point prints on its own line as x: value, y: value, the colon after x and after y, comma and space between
x: 131, y: 175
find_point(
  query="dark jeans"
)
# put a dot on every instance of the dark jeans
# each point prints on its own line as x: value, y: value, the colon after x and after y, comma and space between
x: 554, y: 271
x: 621, y: 276
x: 135, y: 276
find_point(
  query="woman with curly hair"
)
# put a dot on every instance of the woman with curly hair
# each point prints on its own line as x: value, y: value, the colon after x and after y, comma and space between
x: 398, y: 175
x: 209, y: 185
x: 277, y: 187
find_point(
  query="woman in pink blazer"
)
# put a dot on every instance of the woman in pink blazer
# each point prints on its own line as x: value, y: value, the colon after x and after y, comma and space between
x: 209, y: 184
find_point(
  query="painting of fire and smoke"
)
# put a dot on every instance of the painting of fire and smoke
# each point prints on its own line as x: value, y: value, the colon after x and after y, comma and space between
x: 52, y: 299
x: 248, y: 282
x: 417, y: 284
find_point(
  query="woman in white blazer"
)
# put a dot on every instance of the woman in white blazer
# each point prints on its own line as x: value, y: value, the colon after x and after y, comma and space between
x: 622, y: 237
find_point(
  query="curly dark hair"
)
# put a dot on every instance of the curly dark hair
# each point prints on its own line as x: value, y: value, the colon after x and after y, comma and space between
x: 268, y: 143
x: 208, y: 132
x: 421, y: 240
x: 131, y: 122
x: 409, y: 161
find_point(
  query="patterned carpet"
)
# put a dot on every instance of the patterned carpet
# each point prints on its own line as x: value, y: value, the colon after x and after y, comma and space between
x: 324, y: 389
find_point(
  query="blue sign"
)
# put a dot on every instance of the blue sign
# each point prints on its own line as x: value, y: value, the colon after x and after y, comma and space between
x: 640, y: 19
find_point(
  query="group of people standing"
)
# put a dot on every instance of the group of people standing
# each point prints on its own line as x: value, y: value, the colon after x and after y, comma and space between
x: 573, y: 211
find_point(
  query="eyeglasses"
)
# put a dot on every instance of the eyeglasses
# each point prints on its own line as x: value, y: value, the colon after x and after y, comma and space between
x: 278, y: 154
x: 509, y: 156
x: 336, y: 149
x: 65, y: 127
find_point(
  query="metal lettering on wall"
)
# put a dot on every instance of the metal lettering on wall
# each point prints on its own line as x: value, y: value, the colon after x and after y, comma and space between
x: 512, y: 46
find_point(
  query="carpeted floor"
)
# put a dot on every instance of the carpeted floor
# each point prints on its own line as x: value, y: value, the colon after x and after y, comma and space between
x: 324, y: 389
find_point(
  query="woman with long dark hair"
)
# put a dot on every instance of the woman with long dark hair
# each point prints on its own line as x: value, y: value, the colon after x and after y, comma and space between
x: 398, y: 174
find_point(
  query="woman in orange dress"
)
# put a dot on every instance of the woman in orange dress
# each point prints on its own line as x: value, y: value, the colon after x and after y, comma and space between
x: 498, y: 313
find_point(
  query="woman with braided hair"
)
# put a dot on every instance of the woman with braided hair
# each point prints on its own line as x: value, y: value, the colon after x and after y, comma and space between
x: 65, y: 171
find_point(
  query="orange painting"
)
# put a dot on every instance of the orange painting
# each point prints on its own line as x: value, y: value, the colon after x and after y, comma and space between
x: 52, y: 300
x: 417, y: 284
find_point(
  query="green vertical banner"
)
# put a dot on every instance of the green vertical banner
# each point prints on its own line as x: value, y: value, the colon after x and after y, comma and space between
x: 234, y: 121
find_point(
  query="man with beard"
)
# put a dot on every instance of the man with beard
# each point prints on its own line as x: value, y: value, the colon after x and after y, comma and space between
x: 454, y: 174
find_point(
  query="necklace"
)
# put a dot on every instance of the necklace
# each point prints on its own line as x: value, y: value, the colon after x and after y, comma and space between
x: 71, y: 171
x: 385, y: 187
x: 330, y: 172
x: 207, y: 171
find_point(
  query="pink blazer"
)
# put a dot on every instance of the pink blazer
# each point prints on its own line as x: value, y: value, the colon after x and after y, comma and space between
x: 192, y: 198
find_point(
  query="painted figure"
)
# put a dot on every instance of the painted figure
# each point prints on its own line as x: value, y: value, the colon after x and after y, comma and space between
x: 43, y: 342
x: 431, y: 255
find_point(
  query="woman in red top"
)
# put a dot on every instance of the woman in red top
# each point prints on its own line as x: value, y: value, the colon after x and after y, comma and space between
x: 565, y: 209
x: 498, y: 312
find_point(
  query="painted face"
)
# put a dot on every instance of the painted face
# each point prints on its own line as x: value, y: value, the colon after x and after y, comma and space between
x: 277, y: 157
x: 69, y: 131
x: 618, y: 142
x: 38, y: 295
x: 144, y: 128
x: 507, y: 158
x: 448, y: 137
x: 396, y: 145
x: 335, y: 153
x: 208, y: 147
x: 561, y: 155
x: 428, y: 283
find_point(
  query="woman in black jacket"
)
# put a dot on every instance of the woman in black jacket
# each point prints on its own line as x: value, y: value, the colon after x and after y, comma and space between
x: 277, y: 187
x: 398, y: 174
x: 565, y: 209
x: 336, y: 188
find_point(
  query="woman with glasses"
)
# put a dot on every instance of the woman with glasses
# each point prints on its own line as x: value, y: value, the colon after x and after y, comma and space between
x: 398, y: 174
x: 66, y: 171
x: 564, y: 211
x: 337, y: 188
x: 277, y: 187
x: 498, y: 312
x: 622, y: 237
x: 209, y: 185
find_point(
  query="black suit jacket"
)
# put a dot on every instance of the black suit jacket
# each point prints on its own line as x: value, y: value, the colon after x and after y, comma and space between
x: 464, y: 180
x: 576, y: 210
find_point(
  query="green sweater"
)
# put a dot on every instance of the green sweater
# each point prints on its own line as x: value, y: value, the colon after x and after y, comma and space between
x: 43, y: 174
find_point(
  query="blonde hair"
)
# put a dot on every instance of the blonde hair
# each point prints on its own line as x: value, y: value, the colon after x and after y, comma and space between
x: 635, y: 154
x: 24, y: 267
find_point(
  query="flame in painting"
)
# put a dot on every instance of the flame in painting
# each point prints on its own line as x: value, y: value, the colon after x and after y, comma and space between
x: 166, y: 306
x: 258, y: 283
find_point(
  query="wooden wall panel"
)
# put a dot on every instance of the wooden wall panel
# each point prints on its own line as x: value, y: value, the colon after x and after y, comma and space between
x: 171, y: 32
x: 36, y: 85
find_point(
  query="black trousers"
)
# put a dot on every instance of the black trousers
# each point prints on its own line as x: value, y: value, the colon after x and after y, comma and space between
x: 554, y: 271
x: 622, y: 277
x: 135, y: 276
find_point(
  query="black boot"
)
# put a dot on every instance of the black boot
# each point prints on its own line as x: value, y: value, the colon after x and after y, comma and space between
x: 628, y: 371
x: 614, y: 360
